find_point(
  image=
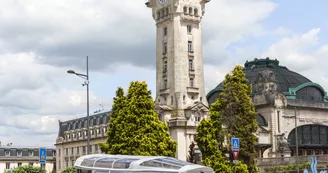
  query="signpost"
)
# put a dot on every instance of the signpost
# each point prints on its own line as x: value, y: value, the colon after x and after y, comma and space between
x: 42, y: 157
x: 235, y: 150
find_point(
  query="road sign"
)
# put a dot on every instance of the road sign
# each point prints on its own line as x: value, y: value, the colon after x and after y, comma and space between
x: 235, y: 144
x: 43, y: 155
x: 235, y: 154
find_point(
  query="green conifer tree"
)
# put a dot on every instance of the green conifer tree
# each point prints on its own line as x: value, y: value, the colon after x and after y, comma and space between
x: 239, y: 115
x: 134, y: 125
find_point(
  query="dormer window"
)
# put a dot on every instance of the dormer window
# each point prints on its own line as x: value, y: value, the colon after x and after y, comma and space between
x: 30, y: 153
x: 19, y: 152
x: 7, y: 152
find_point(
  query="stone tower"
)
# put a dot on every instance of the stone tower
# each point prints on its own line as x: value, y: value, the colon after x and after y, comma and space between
x: 180, y: 92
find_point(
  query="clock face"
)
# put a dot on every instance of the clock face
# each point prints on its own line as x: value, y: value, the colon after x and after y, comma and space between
x: 161, y: 2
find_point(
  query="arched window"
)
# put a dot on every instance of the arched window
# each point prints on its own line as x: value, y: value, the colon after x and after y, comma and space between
x: 196, y: 12
x: 261, y: 120
x: 311, y: 94
x: 158, y: 15
x: 185, y: 10
x: 162, y: 13
x: 190, y: 10
x: 310, y: 136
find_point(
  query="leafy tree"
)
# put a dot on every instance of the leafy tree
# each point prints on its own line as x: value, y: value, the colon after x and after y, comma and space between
x: 69, y: 170
x: 27, y: 169
x: 239, y: 115
x: 209, y: 134
x: 235, y: 110
x: 191, y: 157
x: 134, y: 125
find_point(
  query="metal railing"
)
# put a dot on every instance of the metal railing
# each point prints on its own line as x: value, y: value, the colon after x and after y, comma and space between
x: 290, y: 160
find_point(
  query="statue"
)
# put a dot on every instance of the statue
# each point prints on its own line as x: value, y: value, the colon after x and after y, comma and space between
x: 283, y: 144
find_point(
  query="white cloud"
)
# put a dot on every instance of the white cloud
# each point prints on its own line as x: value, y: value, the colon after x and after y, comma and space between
x: 304, y: 54
x: 41, y: 40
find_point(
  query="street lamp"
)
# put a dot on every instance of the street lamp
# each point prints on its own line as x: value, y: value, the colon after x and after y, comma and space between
x: 86, y: 83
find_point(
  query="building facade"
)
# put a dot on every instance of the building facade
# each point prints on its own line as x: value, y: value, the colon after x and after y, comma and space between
x: 180, y: 93
x: 285, y: 100
x: 71, y: 142
x: 12, y: 157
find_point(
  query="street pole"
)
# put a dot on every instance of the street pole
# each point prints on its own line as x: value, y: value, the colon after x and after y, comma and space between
x: 88, y: 119
x: 296, y: 138
x: 86, y: 82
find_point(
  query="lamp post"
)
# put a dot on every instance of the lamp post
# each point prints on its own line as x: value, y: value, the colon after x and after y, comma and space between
x: 296, y: 140
x: 86, y: 83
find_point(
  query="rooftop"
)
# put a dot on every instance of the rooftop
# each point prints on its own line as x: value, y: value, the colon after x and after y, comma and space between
x: 125, y: 163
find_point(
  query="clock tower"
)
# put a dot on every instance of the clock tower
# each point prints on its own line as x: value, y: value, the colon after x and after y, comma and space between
x: 180, y: 93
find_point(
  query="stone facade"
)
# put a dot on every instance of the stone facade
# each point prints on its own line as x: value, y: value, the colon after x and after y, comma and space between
x: 180, y: 92
x: 71, y: 142
x: 285, y: 100
x: 12, y: 157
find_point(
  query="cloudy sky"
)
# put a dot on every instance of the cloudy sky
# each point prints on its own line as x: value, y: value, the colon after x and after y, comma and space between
x: 41, y: 40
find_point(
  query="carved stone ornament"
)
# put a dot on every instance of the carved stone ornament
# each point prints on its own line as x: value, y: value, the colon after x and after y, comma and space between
x: 265, y: 82
x: 280, y: 101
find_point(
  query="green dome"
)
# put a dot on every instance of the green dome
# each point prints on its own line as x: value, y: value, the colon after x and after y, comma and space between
x: 286, y: 80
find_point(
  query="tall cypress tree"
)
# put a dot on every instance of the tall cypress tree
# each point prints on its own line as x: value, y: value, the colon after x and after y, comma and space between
x: 134, y: 127
x: 239, y: 115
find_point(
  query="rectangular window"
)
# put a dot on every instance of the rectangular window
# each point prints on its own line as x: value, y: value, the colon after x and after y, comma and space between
x: 165, y: 67
x: 19, y: 164
x: 189, y: 46
x: 77, y: 150
x: 165, y: 31
x: 72, y: 150
x: 66, y: 151
x: 189, y: 29
x: 30, y: 163
x: 191, y: 82
x: 190, y: 64
x: 7, y: 165
x: 96, y: 148
x: 165, y: 83
x: 84, y: 149
x: 165, y: 48
x: 73, y: 162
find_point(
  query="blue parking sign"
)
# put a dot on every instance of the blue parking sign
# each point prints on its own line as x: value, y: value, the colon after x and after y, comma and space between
x: 43, y: 155
x: 235, y: 144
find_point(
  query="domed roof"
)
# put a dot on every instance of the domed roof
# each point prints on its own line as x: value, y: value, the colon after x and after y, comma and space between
x: 285, y: 78
x: 290, y: 83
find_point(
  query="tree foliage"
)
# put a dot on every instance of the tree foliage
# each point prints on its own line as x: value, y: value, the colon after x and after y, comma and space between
x: 69, y: 170
x: 239, y: 115
x: 235, y: 110
x: 27, y: 169
x: 209, y: 133
x: 134, y: 127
